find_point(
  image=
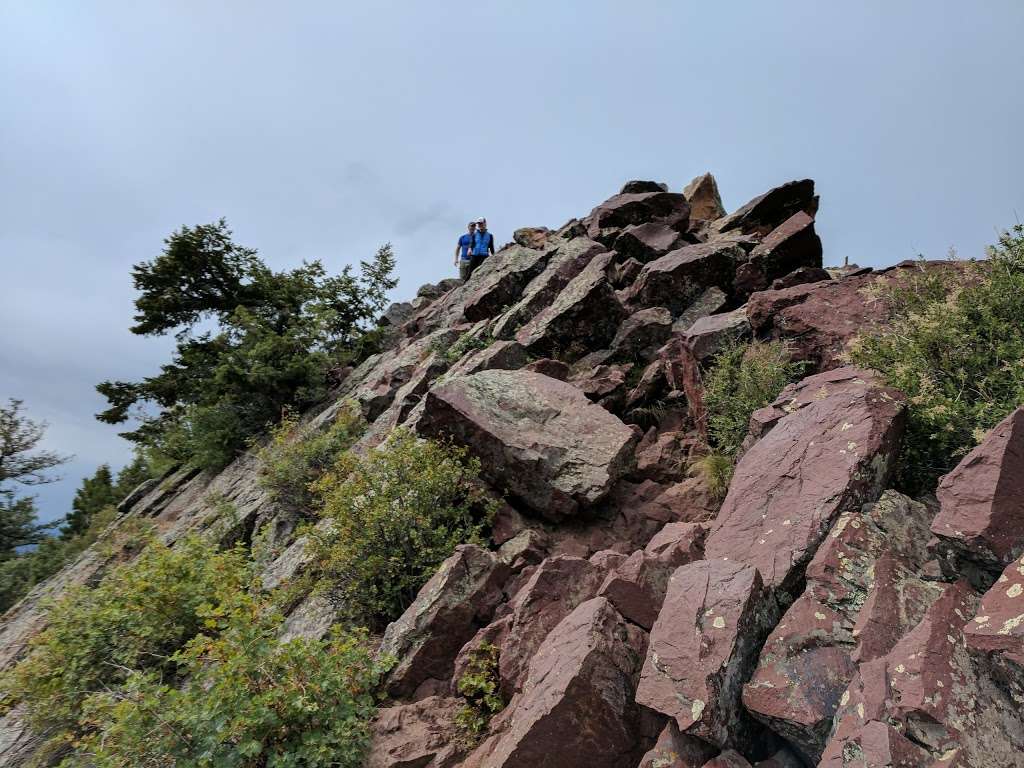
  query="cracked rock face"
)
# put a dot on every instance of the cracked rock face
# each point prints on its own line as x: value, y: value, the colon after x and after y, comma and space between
x: 827, y: 457
x: 981, y: 518
x: 539, y: 438
x: 702, y: 647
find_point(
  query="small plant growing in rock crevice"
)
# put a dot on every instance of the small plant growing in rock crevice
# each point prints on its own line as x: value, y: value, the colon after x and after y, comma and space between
x: 742, y: 378
x: 465, y: 344
x: 480, y: 686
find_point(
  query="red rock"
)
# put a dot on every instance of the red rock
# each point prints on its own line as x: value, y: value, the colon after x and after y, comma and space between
x: 642, y: 333
x: 702, y: 647
x: 791, y: 245
x: 663, y: 457
x: 826, y: 458
x: 556, y: 369
x: 576, y: 709
x: 981, y: 516
x: 638, y: 186
x: 606, y: 220
x: 765, y: 212
x: 422, y: 734
x: 584, y: 316
x: 499, y: 286
x: 646, y: 242
x: 601, y: 381
x: 808, y: 660
x: 679, y: 277
x: 676, y: 750
x: 800, y: 276
x: 449, y: 608
x: 730, y: 758
x: 532, y: 237
x: 553, y: 591
x: 625, y: 272
x: 568, y: 259
x: 636, y: 587
x: 997, y: 631
x: 702, y: 195
x: 538, y: 438
x: 929, y: 688
x: 876, y: 745
x: 708, y: 335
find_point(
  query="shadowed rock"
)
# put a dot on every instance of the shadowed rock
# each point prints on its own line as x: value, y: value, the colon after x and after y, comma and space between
x: 678, y: 278
x: 449, y: 608
x: 792, y: 245
x: 765, y: 212
x: 501, y: 285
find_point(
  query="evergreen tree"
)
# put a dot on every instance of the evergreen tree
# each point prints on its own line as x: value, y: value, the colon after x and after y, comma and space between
x: 94, y: 494
x: 21, y: 464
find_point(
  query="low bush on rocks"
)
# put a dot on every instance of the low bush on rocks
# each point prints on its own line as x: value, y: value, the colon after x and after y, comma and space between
x: 956, y: 348
x: 293, y: 459
x: 480, y: 687
x: 174, y: 660
x: 395, y: 515
x: 742, y: 378
x: 465, y: 344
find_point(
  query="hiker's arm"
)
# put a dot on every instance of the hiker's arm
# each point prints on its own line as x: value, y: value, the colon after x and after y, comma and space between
x: 490, y: 245
x: 458, y: 247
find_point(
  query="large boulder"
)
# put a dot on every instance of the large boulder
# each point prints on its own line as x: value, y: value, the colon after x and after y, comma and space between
x: 638, y: 186
x: 509, y: 271
x: 646, y: 242
x: 583, y: 317
x: 447, y: 612
x: 765, y: 212
x: 996, y: 634
x: 538, y: 438
x: 576, y: 709
x: 702, y: 648
x: 861, y: 597
x: 642, y: 333
x: 608, y: 219
x: 980, y: 524
x: 532, y: 237
x: 705, y: 202
x: 678, y: 278
x: 790, y: 246
x: 827, y: 457
x: 567, y: 260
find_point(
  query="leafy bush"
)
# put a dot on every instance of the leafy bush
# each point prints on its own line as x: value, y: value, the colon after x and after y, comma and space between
x: 480, y: 687
x: 395, y: 516
x: 743, y: 378
x: 465, y: 344
x: 294, y: 458
x: 133, y: 620
x: 956, y: 348
x: 274, y: 339
x: 248, y: 701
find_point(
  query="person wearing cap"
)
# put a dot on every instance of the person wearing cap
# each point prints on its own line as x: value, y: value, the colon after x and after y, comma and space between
x: 464, y: 252
x: 483, y: 244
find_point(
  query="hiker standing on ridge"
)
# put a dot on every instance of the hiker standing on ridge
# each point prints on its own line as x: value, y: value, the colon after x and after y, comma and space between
x: 464, y: 252
x: 483, y: 244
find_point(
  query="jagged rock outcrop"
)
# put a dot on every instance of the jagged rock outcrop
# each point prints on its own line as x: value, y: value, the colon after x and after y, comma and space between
x: 813, y: 616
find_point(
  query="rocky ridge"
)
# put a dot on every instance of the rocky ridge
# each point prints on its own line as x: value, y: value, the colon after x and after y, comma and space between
x: 813, y: 617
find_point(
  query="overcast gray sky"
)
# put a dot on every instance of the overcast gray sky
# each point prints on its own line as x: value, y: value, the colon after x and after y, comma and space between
x: 322, y: 129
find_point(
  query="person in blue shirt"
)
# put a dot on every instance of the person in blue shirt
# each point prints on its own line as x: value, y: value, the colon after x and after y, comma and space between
x: 483, y: 244
x: 464, y: 252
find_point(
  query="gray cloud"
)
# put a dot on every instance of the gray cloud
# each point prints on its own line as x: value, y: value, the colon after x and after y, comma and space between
x: 324, y: 129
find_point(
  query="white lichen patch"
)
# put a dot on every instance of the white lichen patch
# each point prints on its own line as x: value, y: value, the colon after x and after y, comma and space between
x: 718, y: 623
x: 1015, y: 590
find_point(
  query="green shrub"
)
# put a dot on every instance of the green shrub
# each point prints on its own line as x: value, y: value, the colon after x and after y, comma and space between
x: 465, y: 344
x: 956, y: 348
x: 133, y: 620
x: 480, y: 687
x: 294, y: 458
x: 743, y: 378
x: 248, y: 701
x: 716, y: 470
x: 395, y: 515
